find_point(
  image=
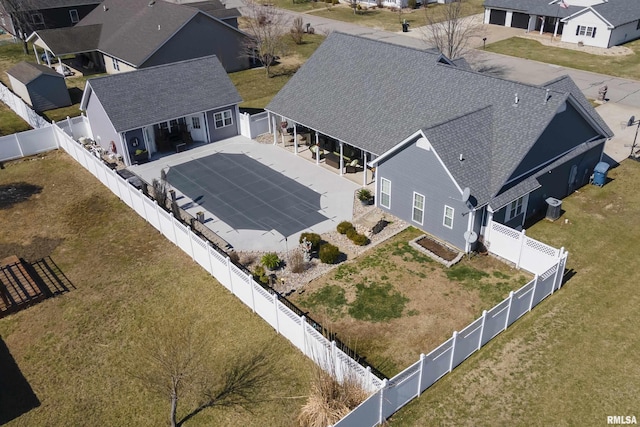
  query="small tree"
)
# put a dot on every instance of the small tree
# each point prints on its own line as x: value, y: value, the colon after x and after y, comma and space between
x: 266, y: 27
x: 16, y: 13
x: 448, y: 30
x: 297, y: 30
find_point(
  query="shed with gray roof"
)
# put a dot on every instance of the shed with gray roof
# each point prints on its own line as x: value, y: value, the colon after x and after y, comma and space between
x: 183, y: 102
x: 39, y: 86
x: 436, y: 128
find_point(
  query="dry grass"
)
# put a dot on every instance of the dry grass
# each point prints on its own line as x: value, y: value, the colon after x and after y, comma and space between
x: 572, y: 360
x: 393, y: 303
x: 76, y: 351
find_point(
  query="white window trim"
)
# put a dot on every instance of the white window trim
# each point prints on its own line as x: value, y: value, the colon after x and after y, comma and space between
x: 382, y: 180
x: 116, y: 64
x: 444, y: 218
x: 195, y: 122
x: 414, y: 207
x: 523, y: 207
x: 586, y: 31
x: 71, y: 15
x: 222, y: 113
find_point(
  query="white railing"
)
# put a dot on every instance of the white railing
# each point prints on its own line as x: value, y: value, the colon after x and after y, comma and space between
x: 252, y: 125
x: 266, y: 304
x: 410, y: 383
x: 523, y: 251
x: 27, y: 143
x: 16, y: 103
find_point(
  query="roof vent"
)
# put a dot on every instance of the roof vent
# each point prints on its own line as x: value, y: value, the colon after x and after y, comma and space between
x: 104, y: 7
x: 461, y: 157
x: 158, y: 27
x: 547, y: 96
x: 516, y: 100
x: 152, y: 2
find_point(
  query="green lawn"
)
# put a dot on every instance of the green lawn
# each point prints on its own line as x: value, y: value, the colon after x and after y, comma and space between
x: 10, y: 122
x: 256, y: 89
x: 620, y: 66
x: 574, y: 359
x: 82, y: 352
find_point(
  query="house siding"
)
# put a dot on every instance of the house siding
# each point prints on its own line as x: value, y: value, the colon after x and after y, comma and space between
x: 587, y: 19
x: 624, y: 33
x: 414, y: 169
x: 57, y: 17
x: 224, y: 132
x: 567, y: 130
x: 101, y: 127
x: 19, y: 89
x: 128, y: 137
x: 109, y: 69
x: 203, y: 36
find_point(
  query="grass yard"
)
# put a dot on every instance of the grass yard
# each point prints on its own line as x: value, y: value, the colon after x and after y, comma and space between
x: 620, y: 66
x: 574, y: 359
x: 80, y: 352
x: 393, y: 302
x: 10, y: 122
x: 256, y: 89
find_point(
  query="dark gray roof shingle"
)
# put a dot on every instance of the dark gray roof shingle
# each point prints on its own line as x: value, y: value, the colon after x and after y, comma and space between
x: 152, y: 95
x: 53, y: 4
x: 373, y: 95
x: 64, y: 41
x: 26, y: 72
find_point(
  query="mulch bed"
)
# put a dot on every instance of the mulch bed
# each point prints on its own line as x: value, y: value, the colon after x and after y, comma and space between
x: 437, y: 249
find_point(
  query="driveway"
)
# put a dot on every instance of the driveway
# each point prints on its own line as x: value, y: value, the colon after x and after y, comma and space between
x: 257, y: 197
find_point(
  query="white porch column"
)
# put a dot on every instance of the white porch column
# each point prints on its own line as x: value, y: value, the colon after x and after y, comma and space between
x: 364, y: 171
x: 341, y: 159
x: 532, y: 23
x: 283, y: 129
x: 317, y: 149
x: 555, y: 28
x: 36, y: 54
x: 542, y: 24
x: 274, y: 129
x: 48, y: 57
x: 295, y: 139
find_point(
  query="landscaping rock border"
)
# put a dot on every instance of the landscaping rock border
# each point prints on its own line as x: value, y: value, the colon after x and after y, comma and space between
x: 413, y: 243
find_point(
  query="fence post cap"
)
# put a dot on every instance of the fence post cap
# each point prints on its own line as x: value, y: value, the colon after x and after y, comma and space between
x: 484, y: 313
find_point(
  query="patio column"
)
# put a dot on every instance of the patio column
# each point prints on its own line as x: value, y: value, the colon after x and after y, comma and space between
x: 295, y: 139
x: 555, y: 29
x: 341, y: 159
x: 532, y: 23
x: 364, y: 171
x: 274, y: 129
x: 542, y: 24
x: 282, y: 129
x: 36, y: 54
x: 317, y: 149
x: 48, y: 58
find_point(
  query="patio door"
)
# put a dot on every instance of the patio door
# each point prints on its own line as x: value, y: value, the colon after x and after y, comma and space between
x: 195, y: 124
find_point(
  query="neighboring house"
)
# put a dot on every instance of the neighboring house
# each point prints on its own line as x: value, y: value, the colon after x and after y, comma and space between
x: 39, y: 86
x: 124, y: 35
x: 434, y: 128
x: 162, y: 109
x: 601, y: 23
x: 24, y: 17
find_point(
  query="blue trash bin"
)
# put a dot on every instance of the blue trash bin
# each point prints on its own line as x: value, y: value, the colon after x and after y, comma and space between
x: 600, y: 174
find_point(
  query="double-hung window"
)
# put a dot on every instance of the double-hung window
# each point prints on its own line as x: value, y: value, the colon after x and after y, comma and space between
x: 116, y: 64
x: 448, y: 216
x: 586, y: 31
x: 223, y: 119
x: 515, y: 208
x: 73, y: 14
x: 418, y: 208
x: 385, y: 193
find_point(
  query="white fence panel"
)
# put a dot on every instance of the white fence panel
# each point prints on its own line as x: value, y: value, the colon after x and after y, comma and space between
x: 521, y: 301
x: 254, y: 125
x: 290, y: 326
x: 200, y: 252
x: 21, y: 108
x: 166, y: 225
x: 265, y: 305
x: 495, y: 321
x: 545, y: 285
x: 242, y: 286
x: 37, y: 140
x: 220, y: 268
x: 505, y: 242
x: 365, y: 414
x: 467, y: 341
x: 316, y: 346
x: 537, y: 256
x: 123, y: 191
x: 436, y: 364
x: 401, y: 389
x: 10, y: 148
x: 112, y: 179
x: 183, y: 240
x: 151, y: 213
x: 137, y: 200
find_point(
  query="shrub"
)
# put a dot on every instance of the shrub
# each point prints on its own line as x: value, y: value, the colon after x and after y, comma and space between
x: 314, y: 238
x: 270, y: 260
x: 351, y: 233
x: 360, y: 239
x: 296, y: 260
x: 260, y: 275
x: 364, y: 194
x: 234, y: 257
x: 297, y: 30
x: 344, y: 227
x: 329, y: 253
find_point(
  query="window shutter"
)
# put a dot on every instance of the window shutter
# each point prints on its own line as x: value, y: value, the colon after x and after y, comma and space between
x: 594, y: 32
x: 577, y: 29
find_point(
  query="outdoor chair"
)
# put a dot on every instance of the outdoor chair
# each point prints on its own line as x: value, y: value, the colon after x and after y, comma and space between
x: 352, y: 167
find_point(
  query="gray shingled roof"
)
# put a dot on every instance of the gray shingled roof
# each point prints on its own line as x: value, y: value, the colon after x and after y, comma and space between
x: 216, y: 8
x: 617, y: 12
x: 26, y: 72
x: 53, y: 4
x: 130, y: 30
x: 373, y: 95
x: 157, y: 94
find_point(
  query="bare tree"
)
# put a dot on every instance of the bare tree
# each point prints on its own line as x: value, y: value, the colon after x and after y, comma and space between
x: 17, y: 19
x: 172, y: 364
x: 448, y: 30
x: 266, y: 26
x: 297, y: 30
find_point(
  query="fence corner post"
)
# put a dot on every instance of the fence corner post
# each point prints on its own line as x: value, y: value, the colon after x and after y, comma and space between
x: 484, y: 320
x: 533, y: 291
x: 523, y: 238
x: 381, y: 412
x: 422, y: 357
x: 303, y: 323
x: 453, y: 349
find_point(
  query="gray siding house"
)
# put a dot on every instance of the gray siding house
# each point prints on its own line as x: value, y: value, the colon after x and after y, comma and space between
x: 452, y: 148
x: 21, y: 18
x: 130, y: 116
x: 124, y: 35
x: 39, y: 86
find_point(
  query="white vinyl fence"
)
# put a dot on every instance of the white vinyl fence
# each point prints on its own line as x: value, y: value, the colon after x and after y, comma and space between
x: 525, y: 252
x: 75, y: 127
x: 22, y: 109
x: 27, y: 143
x: 408, y: 384
x: 252, y: 125
x: 266, y: 304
